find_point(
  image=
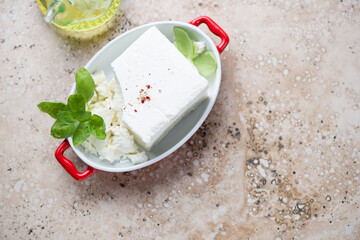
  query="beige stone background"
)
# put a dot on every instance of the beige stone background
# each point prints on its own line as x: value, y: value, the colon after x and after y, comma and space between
x: 278, y: 157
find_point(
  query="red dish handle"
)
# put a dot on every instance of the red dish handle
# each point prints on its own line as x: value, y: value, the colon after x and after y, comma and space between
x: 215, y: 29
x: 69, y: 166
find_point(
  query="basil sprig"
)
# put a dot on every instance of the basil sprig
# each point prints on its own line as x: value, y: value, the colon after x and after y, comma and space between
x: 72, y: 119
x: 204, y: 62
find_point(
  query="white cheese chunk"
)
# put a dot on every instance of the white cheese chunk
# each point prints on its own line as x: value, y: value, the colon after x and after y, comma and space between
x: 199, y: 48
x: 159, y: 86
x: 104, y: 109
x: 123, y: 140
x: 138, y: 157
x: 99, y: 77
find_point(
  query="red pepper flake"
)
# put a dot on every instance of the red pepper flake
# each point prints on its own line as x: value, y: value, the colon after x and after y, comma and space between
x: 135, y: 110
x: 144, y: 94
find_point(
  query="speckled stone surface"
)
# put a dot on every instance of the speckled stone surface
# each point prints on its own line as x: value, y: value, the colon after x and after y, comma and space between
x: 278, y: 157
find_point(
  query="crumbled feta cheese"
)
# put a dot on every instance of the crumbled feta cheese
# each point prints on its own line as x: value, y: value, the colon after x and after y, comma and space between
x: 103, y: 90
x: 199, y: 47
x: 119, y: 143
x: 138, y: 157
x: 105, y: 111
x: 99, y: 77
x: 123, y: 140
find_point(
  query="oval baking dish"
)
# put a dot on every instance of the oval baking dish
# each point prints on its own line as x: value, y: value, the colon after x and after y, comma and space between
x: 183, y: 130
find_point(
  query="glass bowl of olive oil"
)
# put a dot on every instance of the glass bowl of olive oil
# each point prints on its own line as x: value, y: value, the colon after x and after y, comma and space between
x: 78, y: 15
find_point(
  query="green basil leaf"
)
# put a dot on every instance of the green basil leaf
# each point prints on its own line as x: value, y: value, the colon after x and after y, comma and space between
x: 81, y: 133
x: 205, y: 63
x: 85, y: 84
x: 66, y: 116
x: 76, y: 103
x: 184, y: 43
x: 97, y: 127
x: 82, y: 116
x: 62, y: 130
x: 52, y: 108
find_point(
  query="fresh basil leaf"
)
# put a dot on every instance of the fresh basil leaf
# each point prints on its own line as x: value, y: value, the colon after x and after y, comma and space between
x: 52, y: 108
x: 205, y: 63
x: 82, y: 116
x: 184, y: 43
x: 97, y: 127
x: 62, y: 130
x: 76, y: 103
x: 85, y: 84
x: 66, y: 116
x: 81, y: 133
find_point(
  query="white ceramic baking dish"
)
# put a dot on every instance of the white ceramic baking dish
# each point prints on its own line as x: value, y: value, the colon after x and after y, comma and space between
x: 183, y: 130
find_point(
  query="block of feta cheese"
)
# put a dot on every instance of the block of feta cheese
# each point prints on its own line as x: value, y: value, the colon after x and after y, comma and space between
x: 159, y: 86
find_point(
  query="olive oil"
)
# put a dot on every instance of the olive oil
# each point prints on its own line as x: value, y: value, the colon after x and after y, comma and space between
x: 78, y: 15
